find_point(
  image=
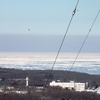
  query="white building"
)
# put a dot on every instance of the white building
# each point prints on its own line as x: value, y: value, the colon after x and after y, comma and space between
x: 70, y: 85
x: 27, y: 81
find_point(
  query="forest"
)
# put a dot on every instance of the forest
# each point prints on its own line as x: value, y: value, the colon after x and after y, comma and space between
x: 39, y: 78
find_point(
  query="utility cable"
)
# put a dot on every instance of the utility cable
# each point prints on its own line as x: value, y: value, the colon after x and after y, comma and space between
x: 81, y: 49
x: 90, y: 30
x: 73, y: 13
x: 83, y: 43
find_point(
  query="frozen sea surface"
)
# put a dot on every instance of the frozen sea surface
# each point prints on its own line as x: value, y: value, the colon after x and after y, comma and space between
x: 86, y: 62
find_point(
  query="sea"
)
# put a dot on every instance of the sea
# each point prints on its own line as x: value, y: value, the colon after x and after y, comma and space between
x: 85, y: 62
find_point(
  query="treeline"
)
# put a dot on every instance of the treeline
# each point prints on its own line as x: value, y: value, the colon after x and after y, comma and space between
x: 38, y: 77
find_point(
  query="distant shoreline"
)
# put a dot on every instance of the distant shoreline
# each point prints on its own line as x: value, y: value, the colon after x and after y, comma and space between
x: 85, y: 62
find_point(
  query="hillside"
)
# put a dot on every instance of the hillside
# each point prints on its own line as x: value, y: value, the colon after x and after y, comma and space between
x: 38, y: 77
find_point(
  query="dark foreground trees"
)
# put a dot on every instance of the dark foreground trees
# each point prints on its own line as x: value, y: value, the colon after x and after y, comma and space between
x: 55, y: 93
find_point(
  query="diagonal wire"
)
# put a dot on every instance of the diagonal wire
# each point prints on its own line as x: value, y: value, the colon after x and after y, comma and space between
x: 73, y: 13
x: 83, y: 43
x: 80, y: 51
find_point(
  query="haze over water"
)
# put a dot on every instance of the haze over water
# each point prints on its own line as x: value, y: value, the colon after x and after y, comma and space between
x: 86, y: 62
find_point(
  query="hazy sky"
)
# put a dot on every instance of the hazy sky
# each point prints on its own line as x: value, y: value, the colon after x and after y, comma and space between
x: 39, y: 25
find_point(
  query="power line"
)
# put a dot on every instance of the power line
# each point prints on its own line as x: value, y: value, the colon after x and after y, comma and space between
x: 83, y: 42
x: 80, y: 51
x: 73, y: 13
x: 90, y: 30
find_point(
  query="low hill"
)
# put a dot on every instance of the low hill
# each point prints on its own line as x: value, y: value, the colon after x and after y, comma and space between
x: 39, y: 76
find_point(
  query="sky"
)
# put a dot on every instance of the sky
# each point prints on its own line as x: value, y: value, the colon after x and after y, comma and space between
x: 39, y: 25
